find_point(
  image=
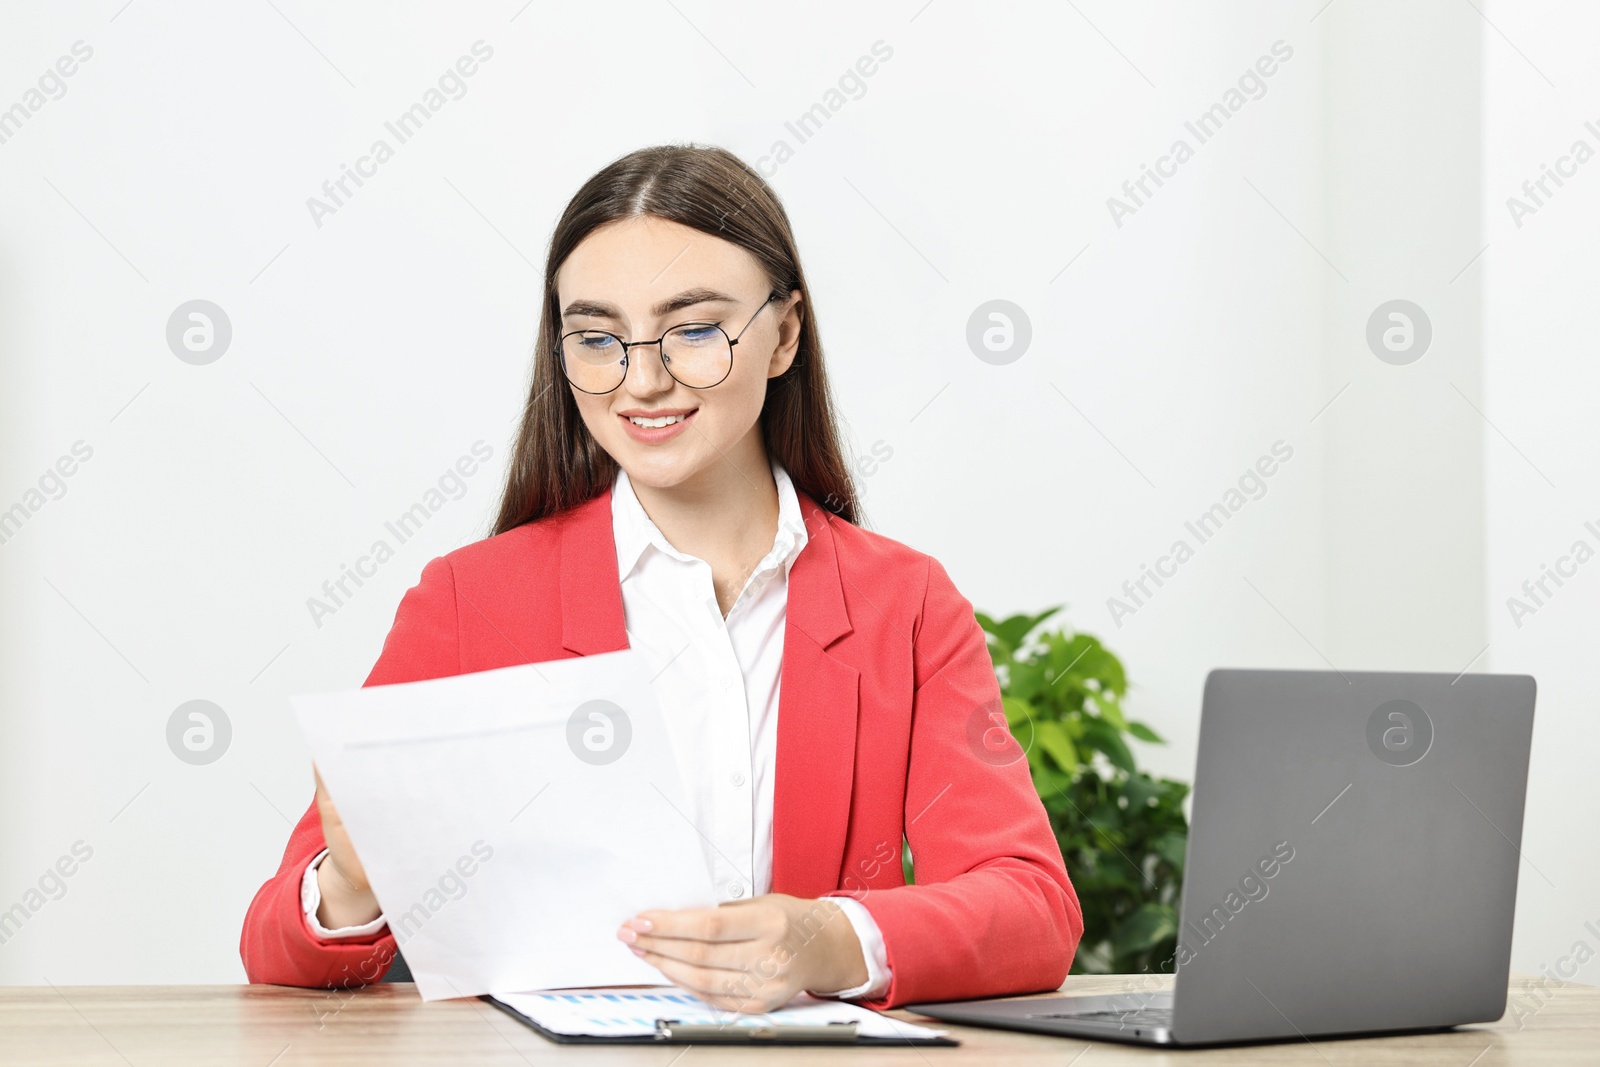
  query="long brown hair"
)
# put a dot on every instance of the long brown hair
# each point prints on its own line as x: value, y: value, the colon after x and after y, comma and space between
x: 557, y: 463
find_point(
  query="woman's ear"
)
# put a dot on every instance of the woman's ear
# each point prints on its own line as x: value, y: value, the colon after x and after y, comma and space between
x: 789, y: 317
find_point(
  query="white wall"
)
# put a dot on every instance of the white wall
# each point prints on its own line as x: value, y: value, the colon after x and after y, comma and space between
x: 1541, y: 380
x: 1403, y: 493
x: 370, y: 353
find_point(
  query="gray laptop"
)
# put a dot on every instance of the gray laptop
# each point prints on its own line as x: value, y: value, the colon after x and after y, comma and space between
x: 1352, y: 865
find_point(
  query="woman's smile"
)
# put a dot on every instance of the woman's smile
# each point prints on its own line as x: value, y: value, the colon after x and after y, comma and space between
x: 654, y: 427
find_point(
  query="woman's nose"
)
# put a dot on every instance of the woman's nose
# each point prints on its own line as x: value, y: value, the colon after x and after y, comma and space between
x: 646, y: 374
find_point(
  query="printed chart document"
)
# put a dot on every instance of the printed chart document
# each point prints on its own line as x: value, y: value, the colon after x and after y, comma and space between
x: 510, y: 820
x: 634, y: 1013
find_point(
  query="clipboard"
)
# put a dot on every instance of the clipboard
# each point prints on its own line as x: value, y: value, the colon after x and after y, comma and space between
x: 672, y: 1032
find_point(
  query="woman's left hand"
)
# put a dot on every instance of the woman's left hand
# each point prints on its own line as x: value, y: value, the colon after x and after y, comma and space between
x: 751, y: 955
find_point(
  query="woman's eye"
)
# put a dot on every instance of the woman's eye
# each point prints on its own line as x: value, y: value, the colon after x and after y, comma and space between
x: 697, y: 334
x: 598, y: 343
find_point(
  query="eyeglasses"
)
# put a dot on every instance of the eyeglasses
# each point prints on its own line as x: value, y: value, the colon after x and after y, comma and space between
x: 696, y: 354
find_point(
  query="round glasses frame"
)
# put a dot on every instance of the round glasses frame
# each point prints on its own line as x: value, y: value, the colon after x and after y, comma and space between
x: 561, y: 348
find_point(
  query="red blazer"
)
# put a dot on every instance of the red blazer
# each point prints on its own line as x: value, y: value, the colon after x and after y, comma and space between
x: 880, y: 734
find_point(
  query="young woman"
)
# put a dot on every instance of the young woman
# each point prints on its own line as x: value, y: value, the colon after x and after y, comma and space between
x: 678, y: 487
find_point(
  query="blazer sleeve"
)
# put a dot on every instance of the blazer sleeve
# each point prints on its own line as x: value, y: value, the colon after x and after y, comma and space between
x: 276, y: 945
x: 992, y: 912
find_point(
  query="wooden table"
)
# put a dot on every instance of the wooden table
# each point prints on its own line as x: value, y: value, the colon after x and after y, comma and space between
x: 388, y: 1024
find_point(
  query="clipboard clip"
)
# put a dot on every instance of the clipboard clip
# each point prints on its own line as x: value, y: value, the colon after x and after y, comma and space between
x: 711, y: 1033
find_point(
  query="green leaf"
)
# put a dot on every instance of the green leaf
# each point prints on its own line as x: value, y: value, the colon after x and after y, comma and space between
x: 1108, y: 668
x: 1111, y: 711
x: 1011, y: 631
x: 1171, y: 847
x: 1054, y: 740
x: 1102, y: 737
x: 1140, y: 789
x: 1033, y: 624
x: 999, y: 649
x: 1107, y: 818
x: 1017, y: 711
x: 1027, y: 679
x: 1145, y: 928
x: 1144, y: 733
x: 1067, y: 654
x: 1052, y: 786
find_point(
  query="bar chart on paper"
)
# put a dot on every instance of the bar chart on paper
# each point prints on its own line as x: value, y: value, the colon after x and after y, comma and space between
x: 634, y: 1012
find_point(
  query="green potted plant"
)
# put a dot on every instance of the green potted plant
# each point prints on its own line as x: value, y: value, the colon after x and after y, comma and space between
x: 1122, y: 832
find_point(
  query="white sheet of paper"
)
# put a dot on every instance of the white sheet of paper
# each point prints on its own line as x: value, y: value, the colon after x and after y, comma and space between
x: 508, y: 824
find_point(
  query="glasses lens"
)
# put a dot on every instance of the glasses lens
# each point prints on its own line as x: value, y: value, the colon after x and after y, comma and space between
x: 593, y: 360
x: 697, y: 354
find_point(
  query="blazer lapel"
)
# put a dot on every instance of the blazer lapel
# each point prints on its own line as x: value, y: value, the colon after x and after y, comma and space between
x: 591, y: 597
x: 818, y: 700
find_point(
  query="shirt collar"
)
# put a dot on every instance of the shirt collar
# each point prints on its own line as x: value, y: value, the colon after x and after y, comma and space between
x: 634, y: 531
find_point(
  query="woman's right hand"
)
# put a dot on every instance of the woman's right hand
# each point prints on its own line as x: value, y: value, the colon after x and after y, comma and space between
x: 347, y: 897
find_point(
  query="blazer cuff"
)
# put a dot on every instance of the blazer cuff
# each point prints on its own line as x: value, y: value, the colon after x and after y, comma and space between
x: 872, y: 950
x: 311, y: 900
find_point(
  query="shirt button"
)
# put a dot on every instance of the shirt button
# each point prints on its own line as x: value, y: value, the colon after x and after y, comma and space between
x: 736, y: 778
x: 736, y: 889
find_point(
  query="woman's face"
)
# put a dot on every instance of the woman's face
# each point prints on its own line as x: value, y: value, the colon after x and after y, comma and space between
x: 638, y: 278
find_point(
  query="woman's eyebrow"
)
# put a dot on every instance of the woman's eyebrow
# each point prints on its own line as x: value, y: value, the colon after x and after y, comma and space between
x: 688, y: 298
x: 691, y: 297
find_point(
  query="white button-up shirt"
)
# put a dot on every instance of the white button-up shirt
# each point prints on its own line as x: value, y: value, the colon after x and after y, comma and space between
x: 717, y: 679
